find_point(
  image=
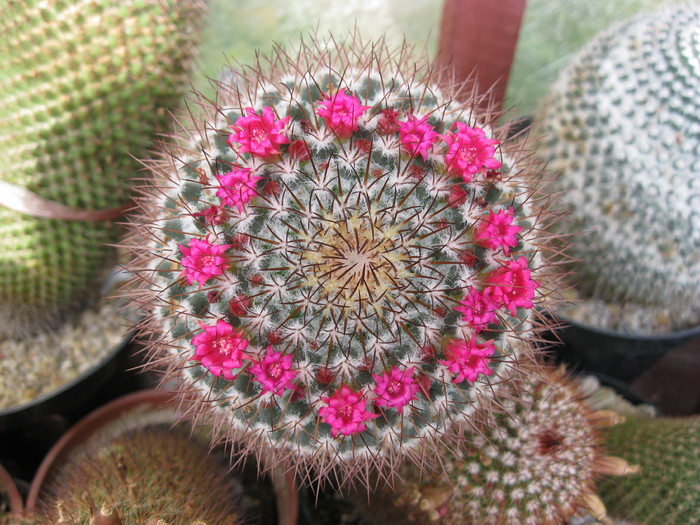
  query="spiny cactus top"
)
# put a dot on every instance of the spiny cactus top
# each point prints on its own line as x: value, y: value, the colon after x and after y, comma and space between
x: 535, y: 462
x: 83, y: 85
x: 621, y: 129
x: 338, y: 256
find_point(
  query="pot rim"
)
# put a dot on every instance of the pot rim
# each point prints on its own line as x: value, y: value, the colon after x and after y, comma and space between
x: 9, y: 487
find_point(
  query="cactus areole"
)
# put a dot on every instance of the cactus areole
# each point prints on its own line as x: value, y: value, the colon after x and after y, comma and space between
x: 338, y: 257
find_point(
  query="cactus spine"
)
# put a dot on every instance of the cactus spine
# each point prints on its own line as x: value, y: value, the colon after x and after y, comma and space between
x: 620, y: 128
x: 535, y: 462
x: 339, y: 257
x: 666, y: 489
x: 82, y: 86
x: 142, y: 476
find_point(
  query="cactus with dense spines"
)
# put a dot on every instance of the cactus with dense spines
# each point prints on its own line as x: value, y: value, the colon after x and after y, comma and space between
x: 141, y: 476
x: 621, y: 130
x: 83, y: 85
x: 339, y: 257
x: 667, y: 491
x: 536, y: 463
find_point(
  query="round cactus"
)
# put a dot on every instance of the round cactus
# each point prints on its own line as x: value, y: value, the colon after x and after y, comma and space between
x: 339, y: 258
x: 142, y: 476
x: 666, y: 489
x: 621, y: 131
x: 82, y: 86
x: 536, y: 462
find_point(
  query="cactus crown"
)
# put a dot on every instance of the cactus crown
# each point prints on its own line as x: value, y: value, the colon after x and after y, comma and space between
x: 82, y: 86
x: 536, y: 463
x: 339, y: 256
x: 620, y: 128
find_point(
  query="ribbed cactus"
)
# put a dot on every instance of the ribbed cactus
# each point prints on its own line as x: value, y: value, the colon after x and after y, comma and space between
x: 142, y: 476
x: 83, y: 85
x: 339, y: 257
x: 667, y: 490
x: 621, y: 129
x: 536, y: 463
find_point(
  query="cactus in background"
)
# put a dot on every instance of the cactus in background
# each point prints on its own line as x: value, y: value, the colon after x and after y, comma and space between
x: 536, y: 463
x: 142, y: 476
x: 666, y: 491
x: 83, y: 85
x: 621, y: 129
x: 339, y: 258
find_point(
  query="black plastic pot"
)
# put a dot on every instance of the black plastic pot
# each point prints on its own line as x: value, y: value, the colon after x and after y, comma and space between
x: 70, y: 398
x: 618, y: 355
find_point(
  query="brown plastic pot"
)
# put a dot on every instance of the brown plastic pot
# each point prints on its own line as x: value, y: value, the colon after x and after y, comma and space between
x: 9, y: 494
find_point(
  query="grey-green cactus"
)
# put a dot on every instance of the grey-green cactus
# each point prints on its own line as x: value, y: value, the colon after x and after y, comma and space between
x: 83, y: 85
x: 621, y: 132
x: 142, y: 476
x: 535, y: 461
x: 338, y: 255
x: 667, y: 490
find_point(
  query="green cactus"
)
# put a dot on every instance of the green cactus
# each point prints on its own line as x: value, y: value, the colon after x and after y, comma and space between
x: 83, y: 85
x: 535, y: 462
x: 621, y: 131
x: 338, y: 255
x: 142, y: 476
x: 667, y: 490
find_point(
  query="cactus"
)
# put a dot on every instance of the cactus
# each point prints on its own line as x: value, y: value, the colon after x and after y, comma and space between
x: 536, y: 463
x: 142, y: 476
x: 666, y: 490
x: 83, y: 85
x: 620, y: 127
x: 339, y: 258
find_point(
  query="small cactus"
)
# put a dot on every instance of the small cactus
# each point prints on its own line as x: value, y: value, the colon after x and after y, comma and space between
x: 667, y: 491
x: 620, y: 127
x: 83, y: 85
x: 535, y: 463
x: 142, y: 476
x: 339, y: 257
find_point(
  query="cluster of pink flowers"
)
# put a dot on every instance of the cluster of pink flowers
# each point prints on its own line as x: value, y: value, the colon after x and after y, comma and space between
x: 237, y: 187
x: 220, y: 349
x: 259, y: 135
x: 497, y: 231
x: 468, y: 359
x: 346, y: 412
x: 341, y: 113
x: 202, y: 260
x: 510, y: 286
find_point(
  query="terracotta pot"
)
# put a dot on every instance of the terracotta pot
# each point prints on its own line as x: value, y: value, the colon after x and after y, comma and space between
x: 9, y: 493
x: 131, y: 411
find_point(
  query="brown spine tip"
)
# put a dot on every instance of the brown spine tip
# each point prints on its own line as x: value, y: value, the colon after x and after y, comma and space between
x: 614, y: 466
x: 107, y: 516
x: 592, y: 504
x: 606, y: 418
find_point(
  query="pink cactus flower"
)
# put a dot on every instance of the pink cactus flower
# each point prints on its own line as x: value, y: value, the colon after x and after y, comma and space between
x: 497, y: 230
x: 274, y: 372
x: 513, y: 286
x: 220, y: 349
x: 213, y: 215
x: 469, y: 151
x: 346, y: 412
x: 202, y: 260
x: 237, y: 187
x: 478, y: 309
x: 341, y: 113
x: 259, y: 135
x: 395, y: 388
x: 468, y: 359
x: 417, y: 136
